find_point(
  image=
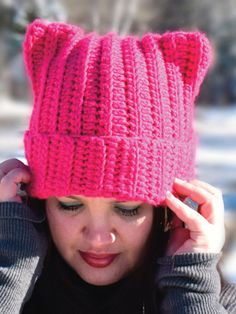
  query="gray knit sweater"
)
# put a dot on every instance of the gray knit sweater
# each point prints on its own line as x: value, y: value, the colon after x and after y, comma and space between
x: 190, y: 282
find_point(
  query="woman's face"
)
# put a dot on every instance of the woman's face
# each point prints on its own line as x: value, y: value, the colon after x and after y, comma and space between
x: 86, y: 229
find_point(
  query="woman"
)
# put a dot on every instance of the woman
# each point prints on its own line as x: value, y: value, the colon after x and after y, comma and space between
x: 110, y: 134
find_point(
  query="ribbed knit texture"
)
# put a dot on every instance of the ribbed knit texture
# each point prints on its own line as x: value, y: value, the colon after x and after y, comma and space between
x: 22, y: 250
x: 112, y: 115
x: 190, y: 283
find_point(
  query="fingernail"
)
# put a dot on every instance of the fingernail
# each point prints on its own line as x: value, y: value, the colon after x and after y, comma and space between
x: 169, y: 194
x: 177, y: 180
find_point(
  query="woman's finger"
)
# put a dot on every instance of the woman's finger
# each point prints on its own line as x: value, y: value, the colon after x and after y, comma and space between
x: 10, y: 183
x: 16, y: 176
x: 217, y: 213
x: 217, y: 200
x: 196, y: 193
x: 9, y: 165
x: 211, y: 189
x: 210, y: 201
x: 2, y: 174
x: 195, y: 221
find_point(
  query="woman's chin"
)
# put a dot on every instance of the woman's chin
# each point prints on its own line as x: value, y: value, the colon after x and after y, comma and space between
x: 101, y: 276
x: 99, y: 280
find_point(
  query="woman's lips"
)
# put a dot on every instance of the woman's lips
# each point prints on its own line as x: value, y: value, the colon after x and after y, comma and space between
x: 98, y: 260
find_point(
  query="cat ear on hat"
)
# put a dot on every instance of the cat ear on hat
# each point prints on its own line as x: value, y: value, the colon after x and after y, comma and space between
x: 191, y: 53
x: 43, y: 40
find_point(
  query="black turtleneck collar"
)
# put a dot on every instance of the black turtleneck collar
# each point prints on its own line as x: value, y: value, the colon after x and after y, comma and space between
x: 61, y: 290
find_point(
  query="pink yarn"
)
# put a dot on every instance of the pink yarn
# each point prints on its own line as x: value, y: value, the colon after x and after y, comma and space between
x: 112, y: 115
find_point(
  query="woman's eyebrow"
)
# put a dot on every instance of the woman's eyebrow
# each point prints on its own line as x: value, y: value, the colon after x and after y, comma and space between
x: 77, y: 198
x: 73, y: 197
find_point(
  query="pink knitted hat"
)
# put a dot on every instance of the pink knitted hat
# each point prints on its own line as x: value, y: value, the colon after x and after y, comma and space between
x: 112, y: 115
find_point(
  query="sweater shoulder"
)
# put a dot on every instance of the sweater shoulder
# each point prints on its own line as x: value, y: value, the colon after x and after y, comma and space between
x: 228, y: 297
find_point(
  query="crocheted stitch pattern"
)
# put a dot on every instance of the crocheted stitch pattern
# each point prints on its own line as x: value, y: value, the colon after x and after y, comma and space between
x: 112, y: 115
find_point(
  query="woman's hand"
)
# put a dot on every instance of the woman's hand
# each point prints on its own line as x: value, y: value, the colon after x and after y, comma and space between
x: 12, y: 173
x: 204, y: 229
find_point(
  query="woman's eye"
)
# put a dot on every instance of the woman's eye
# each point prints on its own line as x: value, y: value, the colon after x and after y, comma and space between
x: 71, y: 207
x: 124, y: 211
x: 128, y: 211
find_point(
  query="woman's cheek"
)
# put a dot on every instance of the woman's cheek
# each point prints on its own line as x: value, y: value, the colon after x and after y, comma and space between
x: 139, y: 230
x: 62, y: 229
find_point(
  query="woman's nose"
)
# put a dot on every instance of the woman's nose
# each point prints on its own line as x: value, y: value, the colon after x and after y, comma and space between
x: 99, y: 234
